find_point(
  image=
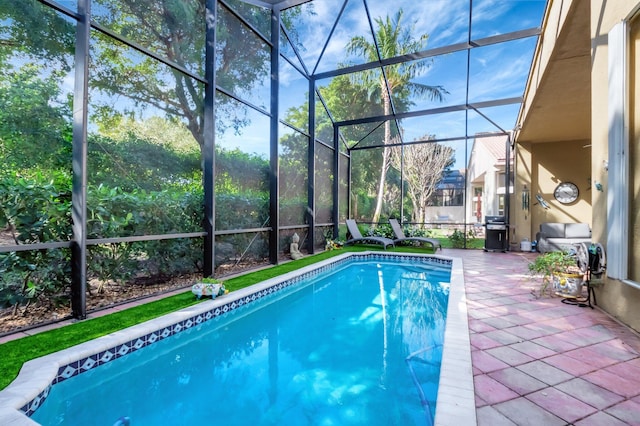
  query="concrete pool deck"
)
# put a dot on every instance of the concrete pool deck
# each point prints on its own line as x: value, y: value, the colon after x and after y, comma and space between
x: 537, y: 361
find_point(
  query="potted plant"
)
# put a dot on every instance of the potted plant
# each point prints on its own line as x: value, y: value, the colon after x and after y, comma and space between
x: 208, y: 286
x: 560, y: 269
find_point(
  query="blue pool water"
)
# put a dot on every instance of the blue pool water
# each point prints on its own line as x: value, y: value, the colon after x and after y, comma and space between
x: 360, y: 344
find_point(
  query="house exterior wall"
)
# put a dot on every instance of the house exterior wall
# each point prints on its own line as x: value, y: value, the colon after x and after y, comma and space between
x: 520, y: 214
x: 620, y: 298
x: 549, y: 152
x: 542, y: 166
x: 484, y: 171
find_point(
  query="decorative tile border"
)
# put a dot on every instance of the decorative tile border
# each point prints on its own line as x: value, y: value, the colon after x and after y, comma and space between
x: 251, y: 294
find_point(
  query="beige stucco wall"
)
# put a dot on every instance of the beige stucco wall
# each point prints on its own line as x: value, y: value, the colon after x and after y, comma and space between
x: 542, y: 166
x: 575, y: 148
x: 521, y: 226
x: 619, y: 299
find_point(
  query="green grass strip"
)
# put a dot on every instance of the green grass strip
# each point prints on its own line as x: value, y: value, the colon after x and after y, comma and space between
x: 16, y: 352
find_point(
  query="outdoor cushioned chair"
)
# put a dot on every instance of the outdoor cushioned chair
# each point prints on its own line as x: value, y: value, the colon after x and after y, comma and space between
x: 400, y: 237
x: 356, y: 236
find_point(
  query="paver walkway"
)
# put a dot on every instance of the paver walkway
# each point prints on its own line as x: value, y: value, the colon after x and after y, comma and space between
x: 537, y: 361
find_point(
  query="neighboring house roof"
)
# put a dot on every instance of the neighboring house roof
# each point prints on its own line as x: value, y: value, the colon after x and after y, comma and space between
x: 495, y: 146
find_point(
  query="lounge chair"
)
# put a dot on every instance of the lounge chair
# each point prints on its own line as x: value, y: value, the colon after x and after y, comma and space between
x: 356, y: 236
x: 400, y: 237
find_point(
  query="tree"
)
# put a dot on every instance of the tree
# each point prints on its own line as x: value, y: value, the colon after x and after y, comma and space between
x: 423, y: 166
x: 393, y: 40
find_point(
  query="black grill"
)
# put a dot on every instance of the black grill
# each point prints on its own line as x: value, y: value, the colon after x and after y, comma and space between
x: 495, y: 233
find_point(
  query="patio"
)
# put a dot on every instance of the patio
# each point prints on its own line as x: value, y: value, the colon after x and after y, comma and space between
x: 542, y: 362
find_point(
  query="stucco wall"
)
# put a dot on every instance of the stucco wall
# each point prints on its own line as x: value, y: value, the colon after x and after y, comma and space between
x: 542, y: 166
x: 619, y: 299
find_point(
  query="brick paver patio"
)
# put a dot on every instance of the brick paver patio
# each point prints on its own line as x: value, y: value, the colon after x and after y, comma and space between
x: 538, y: 361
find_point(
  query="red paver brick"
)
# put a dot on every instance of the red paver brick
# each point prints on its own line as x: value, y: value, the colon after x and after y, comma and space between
x: 534, y: 350
x: 589, y: 393
x: 492, y: 391
x: 561, y: 404
x: 591, y: 357
x: 525, y: 332
x: 509, y: 355
x: 503, y: 337
x: 481, y: 341
x: 555, y: 343
x: 479, y: 326
x: 615, y: 349
x: 499, y: 322
x: 627, y: 411
x: 570, y: 365
x: 485, y: 362
x: 489, y: 416
x: 601, y: 419
x: 627, y: 387
x: 517, y: 380
x: 523, y: 412
x: 545, y: 372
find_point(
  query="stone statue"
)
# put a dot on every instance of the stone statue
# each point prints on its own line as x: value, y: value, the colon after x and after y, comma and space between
x: 293, y: 248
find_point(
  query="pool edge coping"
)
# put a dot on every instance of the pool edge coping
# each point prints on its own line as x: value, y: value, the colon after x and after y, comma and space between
x: 455, y: 401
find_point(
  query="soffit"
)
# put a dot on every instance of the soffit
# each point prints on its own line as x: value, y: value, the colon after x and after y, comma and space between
x: 560, y: 105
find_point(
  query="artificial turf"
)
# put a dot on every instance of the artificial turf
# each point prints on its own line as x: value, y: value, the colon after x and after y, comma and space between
x: 16, y: 352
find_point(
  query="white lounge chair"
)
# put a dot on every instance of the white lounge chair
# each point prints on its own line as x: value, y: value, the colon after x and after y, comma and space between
x: 356, y: 236
x: 400, y: 237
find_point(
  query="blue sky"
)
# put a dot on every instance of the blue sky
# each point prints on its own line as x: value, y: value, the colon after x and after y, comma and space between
x: 495, y: 72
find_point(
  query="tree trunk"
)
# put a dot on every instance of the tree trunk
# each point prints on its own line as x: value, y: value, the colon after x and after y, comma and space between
x: 385, y: 154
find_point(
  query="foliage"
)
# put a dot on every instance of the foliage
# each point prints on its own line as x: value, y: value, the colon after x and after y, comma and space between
x: 35, y: 128
x: 397, y: 84
x: 35, y: 205
x: 383, y: 230
x: 423, y: 166
x: 38, y: 31
x: 416, y: 231
x: 29, y: 276
x: 459, y: 239
x: 333, y: 244
x: 549, y: 263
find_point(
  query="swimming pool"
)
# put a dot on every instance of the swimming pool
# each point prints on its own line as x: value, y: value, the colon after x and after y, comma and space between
x: 351, y: 383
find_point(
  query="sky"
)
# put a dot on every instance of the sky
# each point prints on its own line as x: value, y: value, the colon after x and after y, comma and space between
x: 495, y: 72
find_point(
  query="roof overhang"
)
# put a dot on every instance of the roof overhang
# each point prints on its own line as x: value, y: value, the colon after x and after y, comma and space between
x: 557, y: 104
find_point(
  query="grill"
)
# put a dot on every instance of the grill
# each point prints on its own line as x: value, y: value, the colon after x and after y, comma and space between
x: 495, y: 233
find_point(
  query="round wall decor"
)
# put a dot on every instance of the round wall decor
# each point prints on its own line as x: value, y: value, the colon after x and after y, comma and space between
x: 566, y: 192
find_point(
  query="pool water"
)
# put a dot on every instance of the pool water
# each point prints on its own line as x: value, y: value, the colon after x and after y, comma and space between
x: 360, y: 344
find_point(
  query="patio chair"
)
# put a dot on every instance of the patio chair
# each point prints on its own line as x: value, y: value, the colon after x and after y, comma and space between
x: 356, y: 236
x: 400, y: 237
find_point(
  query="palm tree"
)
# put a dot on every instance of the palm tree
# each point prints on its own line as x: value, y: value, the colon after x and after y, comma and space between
x: 392, y: 41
